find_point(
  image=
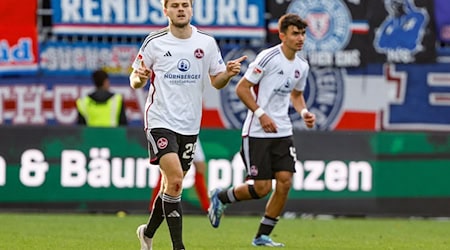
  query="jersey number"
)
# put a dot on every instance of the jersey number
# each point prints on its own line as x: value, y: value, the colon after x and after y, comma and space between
x: 189, y: 152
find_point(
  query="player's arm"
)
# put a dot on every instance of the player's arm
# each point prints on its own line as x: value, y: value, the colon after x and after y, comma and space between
x: 298, y: 101
x: 243, y: 91
x: 220, y: 80
x: 139, y: 76
x: 233, y: 68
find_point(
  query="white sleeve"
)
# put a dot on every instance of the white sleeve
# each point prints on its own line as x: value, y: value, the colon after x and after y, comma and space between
x: 255, y: 71
x: 217, y: 64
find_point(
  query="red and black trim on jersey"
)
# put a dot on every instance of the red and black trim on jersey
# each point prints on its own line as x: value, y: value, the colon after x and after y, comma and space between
x: 156, y: 34
x: 271, y: 54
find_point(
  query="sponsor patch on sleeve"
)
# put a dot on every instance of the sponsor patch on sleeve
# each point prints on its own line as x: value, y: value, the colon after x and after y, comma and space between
x: 257, y: 72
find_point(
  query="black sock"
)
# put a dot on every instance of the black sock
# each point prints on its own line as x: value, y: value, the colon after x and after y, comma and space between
x: 266, y: 226
x: 156, y: 218
x: 174, y: 217
x: 227, y: 196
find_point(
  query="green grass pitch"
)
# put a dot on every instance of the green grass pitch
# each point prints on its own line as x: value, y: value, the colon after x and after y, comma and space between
x: 107, y: 231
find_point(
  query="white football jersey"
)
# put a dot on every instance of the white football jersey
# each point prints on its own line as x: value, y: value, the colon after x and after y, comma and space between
x: 274, y: 77
x: 181, y: 69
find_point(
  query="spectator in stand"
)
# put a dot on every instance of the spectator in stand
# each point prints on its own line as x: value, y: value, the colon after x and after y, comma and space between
x: 101, y: 108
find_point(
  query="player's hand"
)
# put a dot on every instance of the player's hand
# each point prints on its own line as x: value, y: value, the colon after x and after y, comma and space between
x: 268, y: 124
x: 140, y: 76
x: 234, y: 66
x: 309, y: 119
x: 142, y: 72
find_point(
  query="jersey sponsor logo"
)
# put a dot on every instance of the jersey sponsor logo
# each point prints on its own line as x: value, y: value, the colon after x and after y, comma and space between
x: 183, y: 65
x: 284, y: 89
x: 162, y: 143
x: 198, y: 53
x: 329, y: 23
x: 323, y: 93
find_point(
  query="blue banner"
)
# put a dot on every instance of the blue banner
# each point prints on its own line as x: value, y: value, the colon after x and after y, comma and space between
x: 233, y: 18
x: 351, y: 33
x: 422, y: 97
x: 57, y: 58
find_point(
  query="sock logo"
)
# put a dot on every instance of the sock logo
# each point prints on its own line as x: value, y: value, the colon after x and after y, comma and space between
x: 173, y: 214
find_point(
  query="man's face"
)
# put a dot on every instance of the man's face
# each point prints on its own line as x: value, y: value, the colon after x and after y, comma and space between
x: 294, y: 38
x: 179, y: 12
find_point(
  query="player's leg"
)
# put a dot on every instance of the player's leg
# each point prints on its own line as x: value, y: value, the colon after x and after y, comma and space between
x: 278, y: 199
x: 274, y: 207
x: 157, y: 213
x: 200, y: 184
x: 284, y: 167
x: 257, y: 163
x: 256, y: 156
x: 174, y: 166
x: 155, y: 193
x: 145, y: 232
x: 171, y: 197
x: 162, y: 142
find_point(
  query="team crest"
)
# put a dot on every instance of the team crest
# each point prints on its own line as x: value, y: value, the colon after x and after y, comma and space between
x: 320, y: 24
x: 162, y: 143
x: 198, y: 53
x: 328, y: 23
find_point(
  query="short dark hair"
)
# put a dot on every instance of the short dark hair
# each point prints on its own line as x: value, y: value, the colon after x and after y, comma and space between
x: 164, y: 3
x: 98, y: 77
x: 291, y: 19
